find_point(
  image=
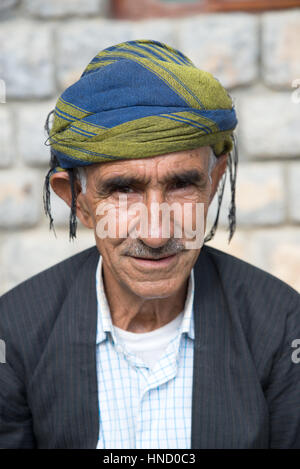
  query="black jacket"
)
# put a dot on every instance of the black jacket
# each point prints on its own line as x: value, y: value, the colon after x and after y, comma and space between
x: 246, y: 387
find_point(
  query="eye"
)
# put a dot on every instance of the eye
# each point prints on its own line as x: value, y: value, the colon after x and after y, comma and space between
x: 126, y: 189
x: 181, y: 185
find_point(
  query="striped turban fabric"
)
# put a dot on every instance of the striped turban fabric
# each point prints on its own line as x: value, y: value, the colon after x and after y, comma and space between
x: 135, y: 100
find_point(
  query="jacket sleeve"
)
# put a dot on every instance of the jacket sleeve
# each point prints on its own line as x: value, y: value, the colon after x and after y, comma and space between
x: 15, y: 418
x: 283, y: 391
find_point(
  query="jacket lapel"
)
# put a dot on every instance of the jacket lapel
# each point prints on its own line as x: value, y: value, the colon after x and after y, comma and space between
x: 79, y: 314
x: 228, y: 405
x: 211, y: 339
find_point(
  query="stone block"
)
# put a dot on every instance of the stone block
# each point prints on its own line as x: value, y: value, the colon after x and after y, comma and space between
x: 269, y: 125
x: 7, y: 4
x: 260, y: 196
x: 278, y: 252
x: 65, y: 8
x: 26, y: 60
x: 20, y: 198
x: 225, y: 45
x: 162, y: 30
x: 31, y: 133
x: 293, y: 187
x: 79, y: 41
x: 6, y: 137
x: 280, y: 48
x: 27, y: 253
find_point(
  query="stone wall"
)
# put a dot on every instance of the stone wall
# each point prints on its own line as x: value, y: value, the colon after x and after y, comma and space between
x: 44, y: 47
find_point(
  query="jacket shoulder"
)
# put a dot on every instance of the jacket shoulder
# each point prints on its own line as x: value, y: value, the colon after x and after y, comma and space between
x: 55, y: 278
x: 241, y: 274
x: 267, y: 308
x: 29, y: 311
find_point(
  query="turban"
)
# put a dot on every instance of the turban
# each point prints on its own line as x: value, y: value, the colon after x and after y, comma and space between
x: 135, y: 100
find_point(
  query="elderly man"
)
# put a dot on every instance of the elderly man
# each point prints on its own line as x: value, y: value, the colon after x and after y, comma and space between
x: 147, y: 340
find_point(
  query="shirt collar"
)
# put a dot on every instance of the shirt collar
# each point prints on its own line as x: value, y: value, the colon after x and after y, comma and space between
x: 104, y: 322
x: 188, y: 317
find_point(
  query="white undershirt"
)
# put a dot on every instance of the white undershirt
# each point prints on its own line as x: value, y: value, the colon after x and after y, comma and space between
x: 149, y: 346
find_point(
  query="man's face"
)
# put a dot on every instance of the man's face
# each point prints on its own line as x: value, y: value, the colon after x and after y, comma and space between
x: 150, y: 265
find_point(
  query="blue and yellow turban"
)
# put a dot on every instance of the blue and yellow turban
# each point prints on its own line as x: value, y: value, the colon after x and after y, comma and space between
x: 135, y: 100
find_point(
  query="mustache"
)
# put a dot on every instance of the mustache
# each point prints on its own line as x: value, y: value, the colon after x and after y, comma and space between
x: 138, y: 248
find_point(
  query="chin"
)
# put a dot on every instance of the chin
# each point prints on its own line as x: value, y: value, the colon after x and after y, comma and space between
x: 151, y: 290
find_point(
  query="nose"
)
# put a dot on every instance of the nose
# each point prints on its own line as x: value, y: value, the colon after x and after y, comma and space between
x: 156, y: 237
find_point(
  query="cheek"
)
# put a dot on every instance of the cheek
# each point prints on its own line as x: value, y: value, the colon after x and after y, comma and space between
x: 189, y: 202
x: 192, y: 220
x: 106, y: 247
x: 113, y: 218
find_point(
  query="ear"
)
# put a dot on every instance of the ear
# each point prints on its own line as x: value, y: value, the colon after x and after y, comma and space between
x: 60, y: 183
x: 217, y: 173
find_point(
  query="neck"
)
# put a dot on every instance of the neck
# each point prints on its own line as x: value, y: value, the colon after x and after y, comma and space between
x: 136, y: 314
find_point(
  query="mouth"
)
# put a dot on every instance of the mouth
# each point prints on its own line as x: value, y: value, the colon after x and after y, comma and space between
x: 162, y: 262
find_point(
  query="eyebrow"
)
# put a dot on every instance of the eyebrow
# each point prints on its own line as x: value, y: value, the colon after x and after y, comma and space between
x: 192, y: 176
x: 117, y: 182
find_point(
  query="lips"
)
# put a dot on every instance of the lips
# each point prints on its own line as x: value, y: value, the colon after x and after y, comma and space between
x: 153, y: 258
x: 162, y: 262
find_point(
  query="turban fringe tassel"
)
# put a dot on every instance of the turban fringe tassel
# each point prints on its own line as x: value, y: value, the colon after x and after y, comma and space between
x: 47, y: 194
x: 220, y: 193
x: 73, y: 218
x: 232, y: 167
x: 233, y: 164
x: 46, y: 189
x: 47, y: 201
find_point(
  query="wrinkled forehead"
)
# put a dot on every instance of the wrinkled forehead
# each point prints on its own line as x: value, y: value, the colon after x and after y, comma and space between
x: 154, y: 167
